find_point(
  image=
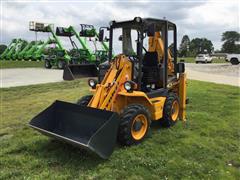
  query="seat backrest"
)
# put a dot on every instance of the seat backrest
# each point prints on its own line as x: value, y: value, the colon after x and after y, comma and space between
x: 150, y: 59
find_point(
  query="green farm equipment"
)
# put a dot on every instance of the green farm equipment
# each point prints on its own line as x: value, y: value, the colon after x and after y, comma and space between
x: 20, y: 46
x: 38, y: 54
x: 11, y: 49
x: 78, y: 55
x: 61, y: 57
x: 85, y: 61
x: 29, y: 54
x: 5, y: 52
x: 81, y: 58
x: 23, y: 53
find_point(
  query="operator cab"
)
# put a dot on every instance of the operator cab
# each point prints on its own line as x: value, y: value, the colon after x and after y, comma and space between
x: 143, y: 41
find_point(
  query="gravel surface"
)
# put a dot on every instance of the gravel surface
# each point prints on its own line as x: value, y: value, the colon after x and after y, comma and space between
x: 28, y: 76
x: 217, y: 73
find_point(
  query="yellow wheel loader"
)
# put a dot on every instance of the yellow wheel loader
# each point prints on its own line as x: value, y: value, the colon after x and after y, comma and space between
x: 144, y: 83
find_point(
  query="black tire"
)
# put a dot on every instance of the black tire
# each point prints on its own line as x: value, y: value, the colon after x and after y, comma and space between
x: 196, y: 62
x: 129, y: 121
x: 234, y: 61
x: 61, y: 64
x: 83, y: 101
x: 47, y: 64
x: 168, y: 118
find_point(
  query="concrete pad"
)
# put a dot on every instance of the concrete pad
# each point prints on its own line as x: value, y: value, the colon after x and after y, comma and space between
x: 216, y: 73
x: 28, y: 76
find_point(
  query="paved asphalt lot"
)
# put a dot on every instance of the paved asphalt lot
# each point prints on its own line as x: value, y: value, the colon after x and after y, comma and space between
x: 217, y: 73
x: 28, y: 76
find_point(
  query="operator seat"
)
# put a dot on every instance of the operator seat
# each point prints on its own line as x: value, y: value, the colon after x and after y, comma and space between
x: 152, y: 72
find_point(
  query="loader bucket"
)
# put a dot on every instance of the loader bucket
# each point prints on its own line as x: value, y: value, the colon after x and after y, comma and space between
x: 75, y: 71
x: 88, y: 128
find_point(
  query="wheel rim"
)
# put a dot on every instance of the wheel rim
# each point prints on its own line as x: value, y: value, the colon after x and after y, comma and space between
x: 139, y: 132
x: 175, y: 110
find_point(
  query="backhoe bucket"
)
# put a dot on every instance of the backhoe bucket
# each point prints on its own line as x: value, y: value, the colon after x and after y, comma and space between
x: 72, y: 72
x: 85, y: 127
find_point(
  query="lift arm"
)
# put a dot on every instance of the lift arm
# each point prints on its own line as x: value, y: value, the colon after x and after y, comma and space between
x: 106, y: 92
x: 22, y: 44
x: 12, y: 49
x: 83, y: 44
x: 40, y: 50
x: 25, y: 48
x: 70, y: 31
x: 22, y: 53
x: 49, y: 29
x: 30, y: 52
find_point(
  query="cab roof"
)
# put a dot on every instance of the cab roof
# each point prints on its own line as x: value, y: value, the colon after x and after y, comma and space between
x: 143, y: 24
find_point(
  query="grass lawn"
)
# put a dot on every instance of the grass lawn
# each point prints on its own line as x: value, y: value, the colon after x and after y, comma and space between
x: 20, y: 64
x: 192, y: 60
x: 206, y: 147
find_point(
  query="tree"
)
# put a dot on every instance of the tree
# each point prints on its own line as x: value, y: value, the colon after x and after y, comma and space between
x: 2, y: 48
x: 184, y: 46
x: 230, y: 39
x: 200, y: 45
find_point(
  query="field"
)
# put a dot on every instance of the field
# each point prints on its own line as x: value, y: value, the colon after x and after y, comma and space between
x: 206, y: 147
x: 20, y: 64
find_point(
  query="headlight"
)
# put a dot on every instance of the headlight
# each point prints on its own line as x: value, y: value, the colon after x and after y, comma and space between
x: 129, y: 86
x: 92, y: 83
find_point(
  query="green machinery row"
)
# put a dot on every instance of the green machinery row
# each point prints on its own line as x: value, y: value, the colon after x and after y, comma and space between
x: 52, y: 50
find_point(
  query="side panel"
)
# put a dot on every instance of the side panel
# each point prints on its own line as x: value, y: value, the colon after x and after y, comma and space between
x: 154, y: 105
x: 182, y: 96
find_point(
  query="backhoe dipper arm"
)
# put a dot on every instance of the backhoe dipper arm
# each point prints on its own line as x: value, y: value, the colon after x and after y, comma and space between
x: 155, y: 44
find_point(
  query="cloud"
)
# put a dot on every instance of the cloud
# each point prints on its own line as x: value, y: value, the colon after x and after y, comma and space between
x: 197, y: 19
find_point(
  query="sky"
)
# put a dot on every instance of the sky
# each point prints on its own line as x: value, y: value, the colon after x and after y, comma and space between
x: 196, y: 18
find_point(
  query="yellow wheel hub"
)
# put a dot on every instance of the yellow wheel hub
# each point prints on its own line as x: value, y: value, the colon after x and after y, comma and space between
x: 175, y: 110
x: 139, y: 126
